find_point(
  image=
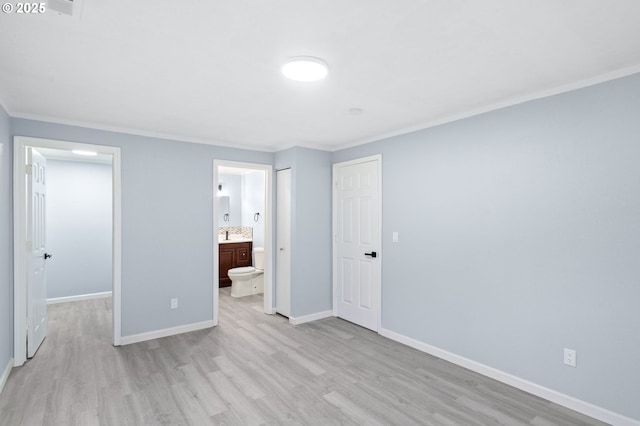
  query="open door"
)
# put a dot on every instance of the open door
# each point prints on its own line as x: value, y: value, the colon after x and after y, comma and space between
x: 36, y: 272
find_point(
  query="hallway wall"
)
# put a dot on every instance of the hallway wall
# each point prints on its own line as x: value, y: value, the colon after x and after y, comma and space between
x: 79, y: 228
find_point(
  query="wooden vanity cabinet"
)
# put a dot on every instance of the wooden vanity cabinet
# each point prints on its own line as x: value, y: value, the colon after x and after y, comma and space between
x: 233, y: 255
x: 226, y: 263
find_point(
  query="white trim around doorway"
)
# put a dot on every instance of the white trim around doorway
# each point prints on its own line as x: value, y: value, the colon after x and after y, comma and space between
x: 268, y: 241
x: 20, y: 240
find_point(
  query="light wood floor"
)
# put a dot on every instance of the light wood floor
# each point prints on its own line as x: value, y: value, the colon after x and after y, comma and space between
x: 252, y: 369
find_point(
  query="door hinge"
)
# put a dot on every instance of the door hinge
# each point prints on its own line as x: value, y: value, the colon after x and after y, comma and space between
x: 28, y: 169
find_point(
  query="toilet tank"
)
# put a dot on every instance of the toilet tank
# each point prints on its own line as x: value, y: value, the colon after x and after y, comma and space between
x: 258, y: 258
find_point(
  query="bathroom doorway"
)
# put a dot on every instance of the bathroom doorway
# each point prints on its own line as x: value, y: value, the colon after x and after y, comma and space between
x: 242, y: 223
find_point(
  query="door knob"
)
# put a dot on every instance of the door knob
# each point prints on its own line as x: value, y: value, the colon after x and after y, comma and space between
x: 47, y: 256
x: 372, y: 254
x: 281, y: 248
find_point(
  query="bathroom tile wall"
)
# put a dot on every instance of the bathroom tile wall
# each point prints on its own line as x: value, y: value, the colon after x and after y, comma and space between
x: 245, y: 231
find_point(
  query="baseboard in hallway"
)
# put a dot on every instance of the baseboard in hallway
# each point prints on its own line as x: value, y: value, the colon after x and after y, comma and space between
x: 166, y: 332
x: 310, y: 317
x: 5, y: 374
x: 78, y: 297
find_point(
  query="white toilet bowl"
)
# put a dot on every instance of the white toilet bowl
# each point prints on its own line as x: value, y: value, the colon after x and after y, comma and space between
x: 248, y: 280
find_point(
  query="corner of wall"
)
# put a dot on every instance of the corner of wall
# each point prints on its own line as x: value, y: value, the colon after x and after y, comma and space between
x: 6, y: 240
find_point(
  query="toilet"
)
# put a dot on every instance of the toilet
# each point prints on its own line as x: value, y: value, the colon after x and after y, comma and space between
x: 250, y: 279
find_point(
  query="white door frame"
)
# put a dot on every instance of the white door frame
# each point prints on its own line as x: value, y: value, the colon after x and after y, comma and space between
x: 378, y: 265
x: 20, y: 143
x: 268, y: 246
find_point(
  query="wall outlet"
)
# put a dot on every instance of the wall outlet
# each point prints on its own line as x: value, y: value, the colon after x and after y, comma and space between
x: 174, y: 303
x: 570, y: 357
x: 394, y: 236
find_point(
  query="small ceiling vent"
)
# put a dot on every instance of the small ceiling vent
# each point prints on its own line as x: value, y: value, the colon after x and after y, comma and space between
x: 65, y: 7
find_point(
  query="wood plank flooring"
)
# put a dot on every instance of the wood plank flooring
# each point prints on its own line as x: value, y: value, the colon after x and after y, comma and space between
x: 252, y: 369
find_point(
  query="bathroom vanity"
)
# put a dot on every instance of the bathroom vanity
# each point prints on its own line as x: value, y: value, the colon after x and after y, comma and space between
x: 233, y: 255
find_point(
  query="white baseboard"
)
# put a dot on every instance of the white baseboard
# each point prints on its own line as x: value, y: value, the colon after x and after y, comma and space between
x: 157, y: 334
x: 5, y: 374
x: 311, y: 317
x: 564, y: 400
x: 66, y: 299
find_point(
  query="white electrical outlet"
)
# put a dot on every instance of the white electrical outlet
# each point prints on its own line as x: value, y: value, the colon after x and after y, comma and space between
x: 570, y: 357
x: 395, y: 237
x: 174, y: 303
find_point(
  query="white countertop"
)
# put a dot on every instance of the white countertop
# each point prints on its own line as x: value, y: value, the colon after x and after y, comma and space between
x: 221, y: 240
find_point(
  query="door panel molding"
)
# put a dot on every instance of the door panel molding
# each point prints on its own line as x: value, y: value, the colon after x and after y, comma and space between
x: 20, y: 252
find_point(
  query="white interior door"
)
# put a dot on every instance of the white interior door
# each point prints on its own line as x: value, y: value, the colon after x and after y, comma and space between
x: 283, y: 242
x: 357, y: 220
x: 37, y: 278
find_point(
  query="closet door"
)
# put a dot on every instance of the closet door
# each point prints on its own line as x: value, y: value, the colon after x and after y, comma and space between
x: 283, y: 242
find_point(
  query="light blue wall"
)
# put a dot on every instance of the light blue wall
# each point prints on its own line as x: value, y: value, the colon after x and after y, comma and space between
x: 6, y: 241
x: 311, y: 228
x: 520, y: 236
x: 167, y: 227
x: 79, y: 228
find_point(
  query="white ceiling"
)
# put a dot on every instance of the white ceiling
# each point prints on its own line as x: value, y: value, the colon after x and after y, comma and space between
x: 232, y: 170
x: 67, y: 155
x: 209, y: 71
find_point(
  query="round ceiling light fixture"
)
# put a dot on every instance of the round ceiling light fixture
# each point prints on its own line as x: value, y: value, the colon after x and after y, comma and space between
x: 305, y: 68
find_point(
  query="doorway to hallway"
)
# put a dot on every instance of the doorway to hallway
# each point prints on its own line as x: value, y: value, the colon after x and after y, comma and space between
x: 29, y: 301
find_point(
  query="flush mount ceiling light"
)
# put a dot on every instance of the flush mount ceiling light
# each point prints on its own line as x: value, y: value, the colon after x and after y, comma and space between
x: 87, y: 153
x: 305, y: 68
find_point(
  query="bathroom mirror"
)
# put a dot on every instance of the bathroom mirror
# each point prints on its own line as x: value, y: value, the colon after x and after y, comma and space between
x: 223, y: 211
